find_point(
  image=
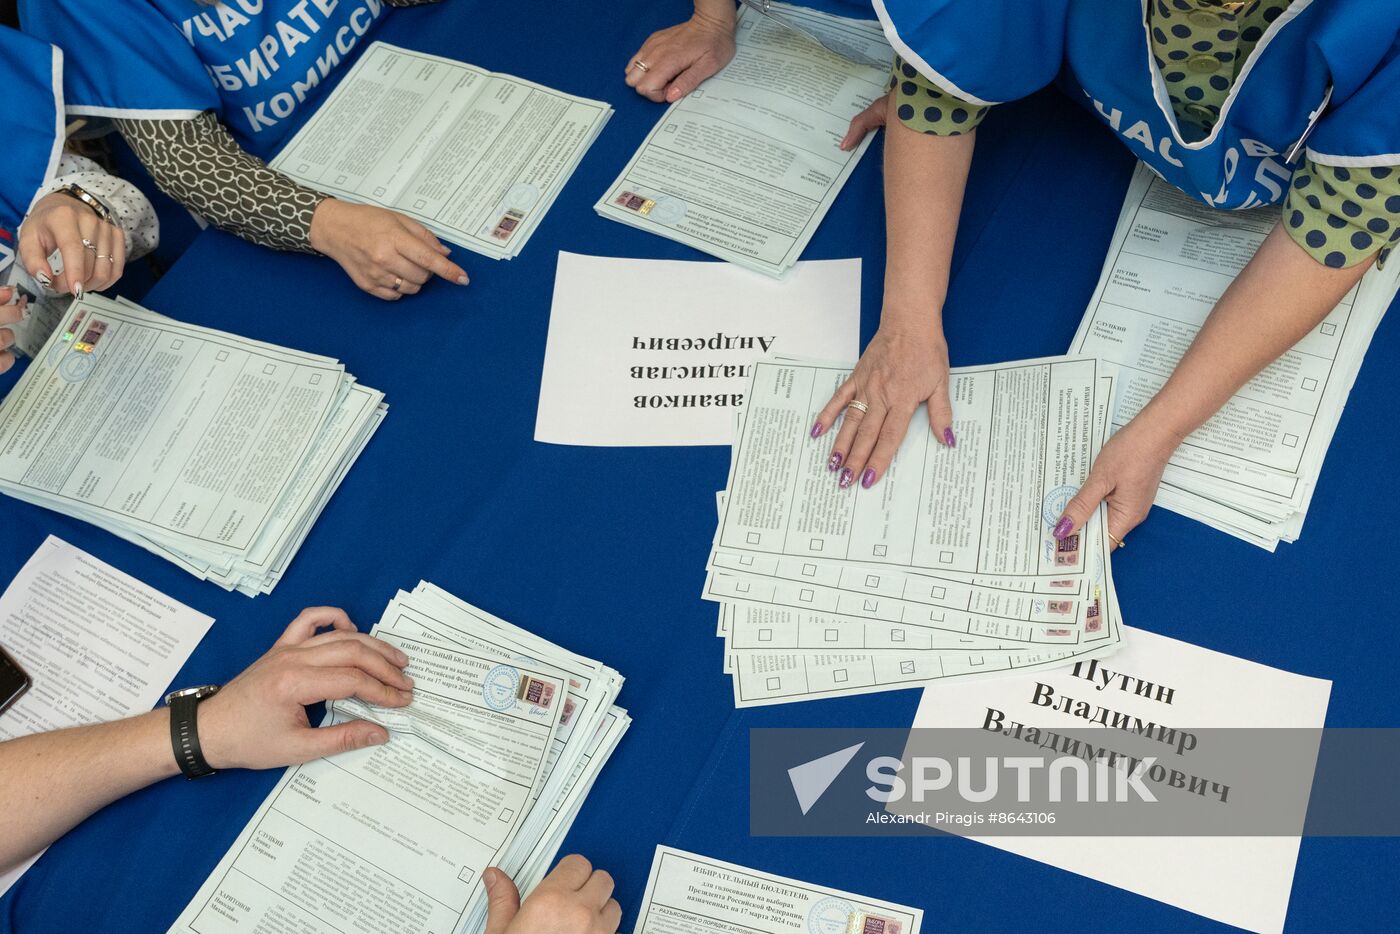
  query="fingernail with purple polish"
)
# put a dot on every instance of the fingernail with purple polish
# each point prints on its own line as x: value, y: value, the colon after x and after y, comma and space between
x: 834, y: 461
x: 817, y: 430
x: 948, y: 438
x: 867, y: 478
x: 846, y: 477
x: 1064, y: 527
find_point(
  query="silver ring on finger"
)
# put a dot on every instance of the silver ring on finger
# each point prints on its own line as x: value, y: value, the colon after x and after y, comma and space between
x: 859, y: 406
x: 89, y: 245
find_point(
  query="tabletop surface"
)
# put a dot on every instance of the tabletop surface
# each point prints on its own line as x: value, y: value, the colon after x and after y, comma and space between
x: 602, y: 550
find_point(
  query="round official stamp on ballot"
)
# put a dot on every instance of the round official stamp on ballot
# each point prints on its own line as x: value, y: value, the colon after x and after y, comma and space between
x: 499, y: 686
x: 830, y: 916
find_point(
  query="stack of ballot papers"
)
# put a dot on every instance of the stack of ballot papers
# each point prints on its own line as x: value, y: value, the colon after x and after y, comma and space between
x: 476, y: 157
x: 946, y: 568
x: 214, y: 451
x: 1251, y: 470
x: 487, y: 766
x: 746, y: 166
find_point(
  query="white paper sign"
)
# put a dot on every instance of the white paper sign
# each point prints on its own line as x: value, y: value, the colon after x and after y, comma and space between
x: 657, y: 352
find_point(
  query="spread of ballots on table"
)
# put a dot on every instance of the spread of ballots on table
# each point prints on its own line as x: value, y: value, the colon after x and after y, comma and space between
x: 214, y: 451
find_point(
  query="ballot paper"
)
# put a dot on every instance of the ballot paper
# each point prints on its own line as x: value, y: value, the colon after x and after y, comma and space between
x: 98, y: 645
x: 1244, y: 881
x: 487, y: 766
x: 746, y: 166
x: 42, y: 312
x: 945, y: 569
x: 657, y: 352
x: 476, y: 157
x: 1249, y: 471
x: 692, y: 894
x: 214, y: 451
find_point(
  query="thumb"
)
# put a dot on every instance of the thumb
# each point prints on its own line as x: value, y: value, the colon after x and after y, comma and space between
x: 1078, y: 510
x: 343, y: 737
x: 503, y: 900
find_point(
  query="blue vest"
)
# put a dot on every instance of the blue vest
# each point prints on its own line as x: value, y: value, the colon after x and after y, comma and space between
x: 31, y: 79
x: 1323, y: 79
x: 253, y: 62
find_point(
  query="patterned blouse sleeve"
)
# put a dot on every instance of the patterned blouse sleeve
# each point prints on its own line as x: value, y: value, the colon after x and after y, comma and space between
x: 926, y: 108
x: 1342, y: 216
x: 199, y: 164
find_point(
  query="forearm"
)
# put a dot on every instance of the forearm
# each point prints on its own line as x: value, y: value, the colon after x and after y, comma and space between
x: 1279, y: 296
x: 199, y: 164
x: 925, y: 177
x: 50, y: 782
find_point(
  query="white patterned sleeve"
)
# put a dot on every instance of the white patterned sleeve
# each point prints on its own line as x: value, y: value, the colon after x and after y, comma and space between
x: 131, y: 210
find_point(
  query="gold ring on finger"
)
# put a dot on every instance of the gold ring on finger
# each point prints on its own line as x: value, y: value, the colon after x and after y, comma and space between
x: 107, y: 258
x: 858, y: 406
x: 1116, y: 540
x: 398, y: 281
x: 642, y: 65
x: 89, y: 245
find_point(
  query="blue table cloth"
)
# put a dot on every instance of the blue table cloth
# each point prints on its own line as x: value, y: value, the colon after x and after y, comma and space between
x: 602, y: 550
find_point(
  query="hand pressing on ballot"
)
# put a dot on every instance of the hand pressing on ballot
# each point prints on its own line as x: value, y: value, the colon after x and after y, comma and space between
x: 383, y: 252
x: 673, y: 62
x: 573, y: 899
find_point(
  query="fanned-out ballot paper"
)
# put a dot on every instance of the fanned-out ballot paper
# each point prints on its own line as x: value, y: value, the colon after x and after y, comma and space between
x: 487, y: 766
x: 945, y: 569
x: 1249, y: 471
x: 746, y: 166
x: 214, y: 451
x: 476, y: 157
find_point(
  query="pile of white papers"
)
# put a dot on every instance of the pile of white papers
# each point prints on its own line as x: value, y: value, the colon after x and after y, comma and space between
x: 476, y: 157
x: 214, y: 451
x: 946, y: 568
x: 746, y: 166
x: 488, y: 766
x: 1249, y: 471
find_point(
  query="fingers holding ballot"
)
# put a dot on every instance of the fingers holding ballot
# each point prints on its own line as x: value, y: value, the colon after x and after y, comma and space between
x: 1124, y: 476
x: 258, y: 720
x: 673, y: 62
x: 385, y: 253
x: 573, y: 899
x: 866, y: 122
x: 93, y: 250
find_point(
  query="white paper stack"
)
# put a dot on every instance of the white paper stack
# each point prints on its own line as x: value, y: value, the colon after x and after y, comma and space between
x: 214, y: 451
x: 476, y: 157
x: 487, y: 766
x: 946, y: 568
x: 1251, y: 470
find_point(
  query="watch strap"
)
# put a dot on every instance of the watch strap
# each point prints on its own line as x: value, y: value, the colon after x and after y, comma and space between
x: 184, y: 736
x: 103, y: 212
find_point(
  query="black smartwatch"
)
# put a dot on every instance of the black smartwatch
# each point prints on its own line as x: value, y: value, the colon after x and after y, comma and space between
x: 184, y: 730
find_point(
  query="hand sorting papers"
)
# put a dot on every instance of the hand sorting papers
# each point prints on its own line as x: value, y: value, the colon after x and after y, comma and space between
x: 945, y: 569
x: 692, y: 894
x: 214, y: 451
x: 488, y: 766
x: 99, y: 645
x: 746, y: 166
x: 1249, y: 471
x: 476, y: 157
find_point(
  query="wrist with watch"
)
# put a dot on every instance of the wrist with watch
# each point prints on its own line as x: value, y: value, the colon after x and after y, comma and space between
x: 99, y: 207
x: 184, y: 729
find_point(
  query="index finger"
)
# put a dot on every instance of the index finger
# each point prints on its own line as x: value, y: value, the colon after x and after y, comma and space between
x: 310, y: 620
x: 417, y: 252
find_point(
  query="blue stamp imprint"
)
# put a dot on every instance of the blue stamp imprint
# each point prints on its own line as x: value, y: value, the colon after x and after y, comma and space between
x: 1053, y: 506
x: 830, y: 916
x: 668, y: 210
x: 76, y: 367
x: 499, y: 686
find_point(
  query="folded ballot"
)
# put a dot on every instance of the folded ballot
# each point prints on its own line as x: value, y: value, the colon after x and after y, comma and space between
x: 488, y: 766
x: 746, y: 166
x: 1251, y: 469
x: 476, y: 157
x: 945, y: 569
x: 214, y: 451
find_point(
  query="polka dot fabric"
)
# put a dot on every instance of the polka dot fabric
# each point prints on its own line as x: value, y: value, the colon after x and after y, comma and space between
x: 1342, y: 216
x: 926, y: 108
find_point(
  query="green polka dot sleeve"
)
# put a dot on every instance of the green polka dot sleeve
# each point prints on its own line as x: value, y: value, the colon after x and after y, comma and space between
x: 924, y: 107
x: 1343, y: 216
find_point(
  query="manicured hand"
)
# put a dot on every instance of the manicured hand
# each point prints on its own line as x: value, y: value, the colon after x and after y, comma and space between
x: 867, y: 121
x: 679, y: 58
x: 11, y: 311
x: 898, y: 371
x: 573, y: 899
x: 258, y: 720
x: 384, y: 253
x: 61, y: 222
x: 1125, y: 475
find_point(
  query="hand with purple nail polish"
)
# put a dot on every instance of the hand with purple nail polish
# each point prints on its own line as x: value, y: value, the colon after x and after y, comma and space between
x: 1125, y: 477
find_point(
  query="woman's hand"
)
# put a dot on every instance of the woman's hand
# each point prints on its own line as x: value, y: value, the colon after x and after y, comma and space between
x: 258, y: 720
x: 93, y: 250
x: 384, y: 253
x: 676, y: 60
x: 899, y: 370
x: 11, y: 311
x: 867, y: 121
x: 1125, y: 475
x: 574, y: 898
